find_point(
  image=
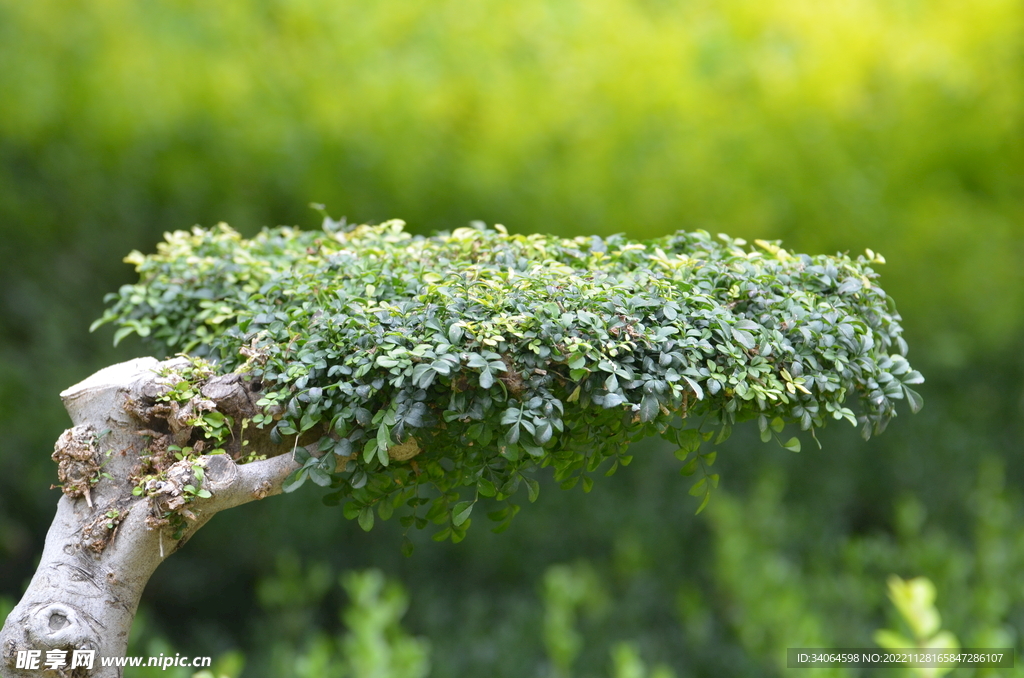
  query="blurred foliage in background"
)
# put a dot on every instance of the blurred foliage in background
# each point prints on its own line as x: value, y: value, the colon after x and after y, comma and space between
x: 835, y: 125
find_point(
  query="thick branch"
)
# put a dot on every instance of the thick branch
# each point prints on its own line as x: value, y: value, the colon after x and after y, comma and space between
x: 105, y: 541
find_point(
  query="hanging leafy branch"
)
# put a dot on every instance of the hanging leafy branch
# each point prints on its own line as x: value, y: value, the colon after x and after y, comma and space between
x: 438, y: 371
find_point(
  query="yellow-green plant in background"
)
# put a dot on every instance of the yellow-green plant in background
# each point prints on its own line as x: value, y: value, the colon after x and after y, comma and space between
x: 915, y: 601
x: 827, y: 123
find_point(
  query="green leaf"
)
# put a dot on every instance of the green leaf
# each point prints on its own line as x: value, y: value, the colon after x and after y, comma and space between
x: 366, y: 518
x: 532, y: 489
x: 613, y: 400
x: 704, y: 502
x: 697, y: 390
x: 485, y: 487
x: 690, y: 467
x: 544, y: 432
x: 689, y: 440
x: 319, y: 476
x: 122, y: 333
x: 486, y: 379
x: 698, y: 487
x: 743, y: 338
x: 295, y: 480
x: 309, y: 420
x: 649, y: 408
x: 461, y: 512
x: 384, y: 437
x: 914, y: 398
x: 455, y: 333
x: 793, y: 444
x: 369, y: 450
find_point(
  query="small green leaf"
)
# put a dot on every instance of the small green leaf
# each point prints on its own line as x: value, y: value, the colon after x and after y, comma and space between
x: 455, y: 333
x: 121, y: 334
x: 532, y: 489
x: 485, y: 487
x: 461, y: 512
x: 689, y: 440
x: 295, y: 480
x: 370, y: 450
x: 744, y: 338
x: 914, y: 398
x: 649, y: 408
x: 319, y: 476
x: 698, y: 487
x: 697, y: 390
x: 704, y: 502
x: 366, y: 518
x: 793, y: 444
x: 309, y: 420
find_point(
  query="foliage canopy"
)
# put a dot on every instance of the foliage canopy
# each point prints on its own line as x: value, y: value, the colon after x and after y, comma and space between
x: 464, y: 361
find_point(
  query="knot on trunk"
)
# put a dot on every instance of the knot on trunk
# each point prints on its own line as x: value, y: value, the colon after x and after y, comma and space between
x: 78, y: 463
x: 59, y: 627
x: 169, y: 496
x: 52, y: 626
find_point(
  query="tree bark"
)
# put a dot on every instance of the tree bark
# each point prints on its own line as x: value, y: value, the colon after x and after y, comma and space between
x: 105, y: 542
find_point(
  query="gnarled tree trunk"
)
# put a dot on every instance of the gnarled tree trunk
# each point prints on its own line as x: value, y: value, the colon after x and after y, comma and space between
x: 105, y: 542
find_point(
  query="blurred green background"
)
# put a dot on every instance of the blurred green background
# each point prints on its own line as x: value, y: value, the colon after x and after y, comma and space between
x: 832, y: 124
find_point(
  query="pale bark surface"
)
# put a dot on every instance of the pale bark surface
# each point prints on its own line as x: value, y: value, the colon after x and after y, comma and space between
x: 86, y: 590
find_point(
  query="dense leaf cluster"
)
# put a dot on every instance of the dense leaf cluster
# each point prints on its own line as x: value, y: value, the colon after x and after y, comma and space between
x: 446, y: 369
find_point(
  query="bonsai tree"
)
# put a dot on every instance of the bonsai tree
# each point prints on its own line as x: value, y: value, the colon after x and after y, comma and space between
x: 429, y: 378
